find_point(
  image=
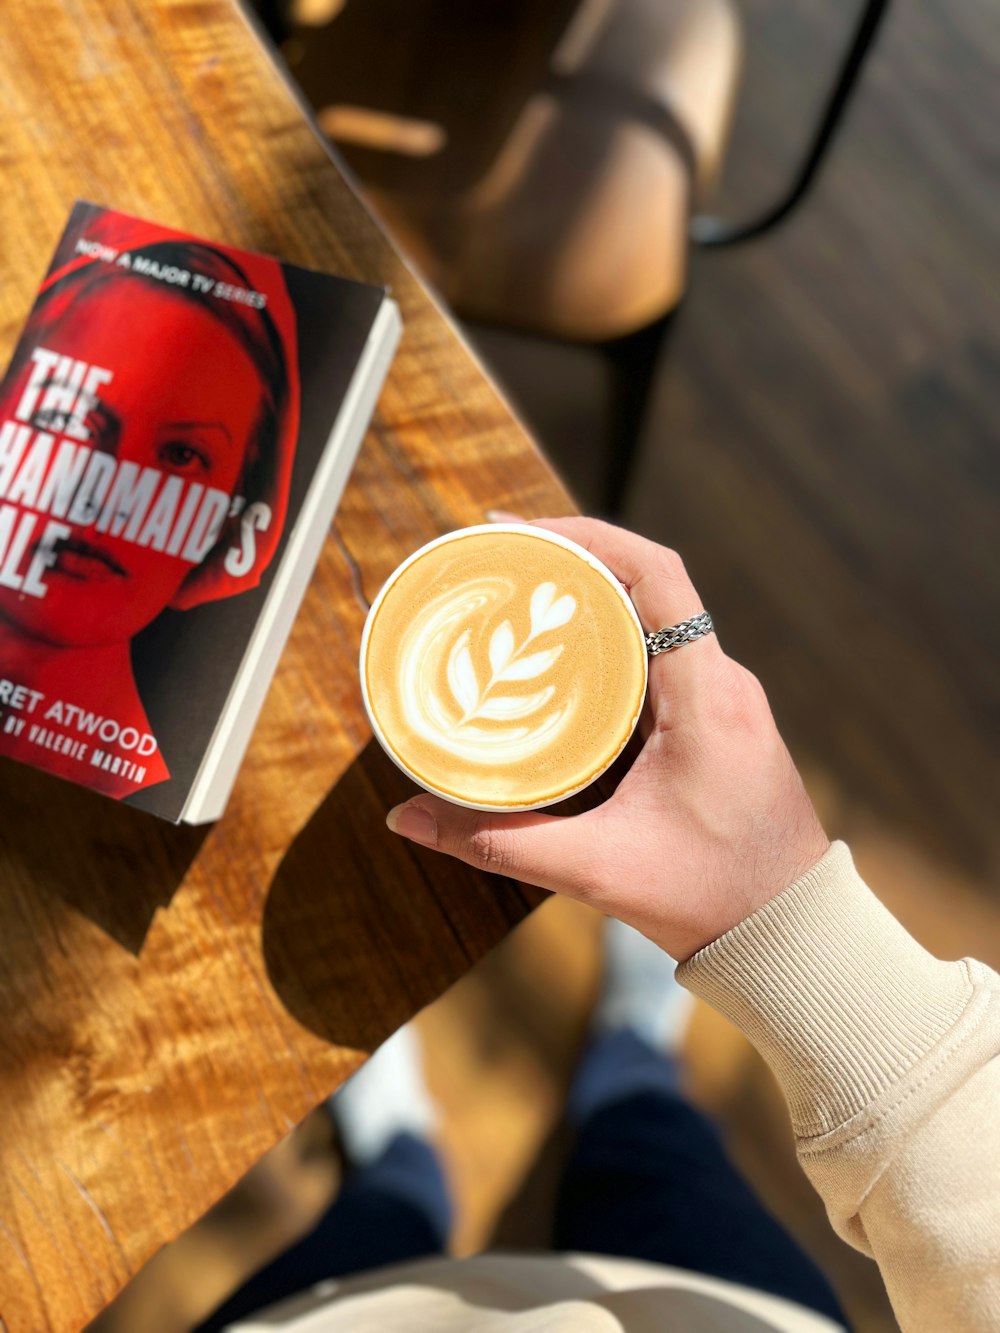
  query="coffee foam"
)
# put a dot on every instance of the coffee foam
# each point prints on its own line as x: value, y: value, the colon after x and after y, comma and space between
x: 503, y: 669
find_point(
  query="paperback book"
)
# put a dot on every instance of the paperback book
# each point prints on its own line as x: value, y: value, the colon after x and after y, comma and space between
x: 177, y: 424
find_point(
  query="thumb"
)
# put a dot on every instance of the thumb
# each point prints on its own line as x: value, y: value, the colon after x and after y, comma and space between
x: 554, y: 852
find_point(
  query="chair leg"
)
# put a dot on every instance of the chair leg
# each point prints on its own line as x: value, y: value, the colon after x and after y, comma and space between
x: 634, y: 360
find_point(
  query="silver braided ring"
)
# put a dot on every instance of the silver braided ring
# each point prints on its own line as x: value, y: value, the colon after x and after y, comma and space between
x: 666, y: 640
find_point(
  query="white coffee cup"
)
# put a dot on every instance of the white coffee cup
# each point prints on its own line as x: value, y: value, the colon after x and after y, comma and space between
x: 503, y: 667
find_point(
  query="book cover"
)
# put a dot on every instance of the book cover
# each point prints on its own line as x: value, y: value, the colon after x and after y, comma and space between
x: 177, y: 423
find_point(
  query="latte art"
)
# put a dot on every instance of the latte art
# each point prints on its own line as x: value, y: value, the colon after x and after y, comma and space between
x: 458, y: 718
x: 503, y: 667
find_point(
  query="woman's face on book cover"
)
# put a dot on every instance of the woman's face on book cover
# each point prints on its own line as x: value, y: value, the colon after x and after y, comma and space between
x: 184, y: 398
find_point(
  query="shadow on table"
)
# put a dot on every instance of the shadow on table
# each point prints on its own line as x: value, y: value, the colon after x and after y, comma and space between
x: 411, y: 920
x: 360, y: 928
x: 114, y: 865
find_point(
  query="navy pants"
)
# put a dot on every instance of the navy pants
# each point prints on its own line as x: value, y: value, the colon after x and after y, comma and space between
x: 648, y: 1178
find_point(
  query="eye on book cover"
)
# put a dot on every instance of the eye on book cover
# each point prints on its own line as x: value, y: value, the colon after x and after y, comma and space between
x: 162, y: 421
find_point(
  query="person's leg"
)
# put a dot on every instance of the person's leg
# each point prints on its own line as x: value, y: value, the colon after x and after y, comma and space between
x: 392, y: 1211
x: 393, y: 1205
x: 649, y: 1177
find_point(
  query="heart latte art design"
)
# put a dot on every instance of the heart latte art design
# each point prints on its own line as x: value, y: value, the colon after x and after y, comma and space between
x: 472, y: 712
x: 503, y: 667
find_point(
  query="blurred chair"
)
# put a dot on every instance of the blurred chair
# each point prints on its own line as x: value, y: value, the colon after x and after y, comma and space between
x: 538, y: 161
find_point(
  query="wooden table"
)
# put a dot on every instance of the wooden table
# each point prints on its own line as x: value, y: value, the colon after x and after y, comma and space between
x: 175, y: 1000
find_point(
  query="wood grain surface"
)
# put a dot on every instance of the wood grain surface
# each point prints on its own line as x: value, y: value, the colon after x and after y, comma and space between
x: 173, y: 999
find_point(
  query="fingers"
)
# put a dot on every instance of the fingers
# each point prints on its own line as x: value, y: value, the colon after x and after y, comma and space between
x: 629, y: 556
x: 625, y: 553
x: 535, y: 848
x: 653, y: 576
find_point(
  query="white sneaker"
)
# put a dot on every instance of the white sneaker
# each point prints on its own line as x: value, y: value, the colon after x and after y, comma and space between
x: 639, y: 990
x: 386, y: 1097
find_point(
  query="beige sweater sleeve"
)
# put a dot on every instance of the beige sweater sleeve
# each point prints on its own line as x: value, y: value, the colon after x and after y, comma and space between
x: 889, y: 1061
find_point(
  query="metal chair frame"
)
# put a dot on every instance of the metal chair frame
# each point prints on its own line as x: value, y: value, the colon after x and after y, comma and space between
x: 713, y: 232
x: 635, y: 357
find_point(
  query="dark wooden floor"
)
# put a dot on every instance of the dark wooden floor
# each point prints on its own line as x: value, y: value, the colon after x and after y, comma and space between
x: 825, y: 448
x: 824, y: 452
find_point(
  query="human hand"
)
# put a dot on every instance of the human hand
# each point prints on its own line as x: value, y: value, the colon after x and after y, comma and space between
x: 709, y: 823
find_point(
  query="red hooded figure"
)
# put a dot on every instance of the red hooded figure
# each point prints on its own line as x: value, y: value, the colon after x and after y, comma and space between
x: 194, y: 410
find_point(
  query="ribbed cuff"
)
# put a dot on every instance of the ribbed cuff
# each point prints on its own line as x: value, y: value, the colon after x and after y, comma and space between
x: 839, y: 999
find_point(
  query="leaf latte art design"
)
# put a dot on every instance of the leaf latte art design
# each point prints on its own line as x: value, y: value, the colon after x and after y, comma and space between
x: 470, y: 712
